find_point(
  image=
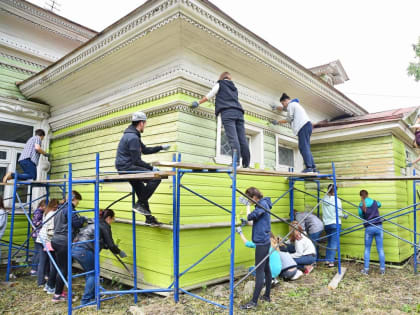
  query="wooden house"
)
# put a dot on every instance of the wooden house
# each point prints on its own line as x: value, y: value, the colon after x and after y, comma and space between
x: 158, y: 59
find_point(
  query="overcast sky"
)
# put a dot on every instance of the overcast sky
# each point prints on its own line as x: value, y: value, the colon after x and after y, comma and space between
x: 372, y: 38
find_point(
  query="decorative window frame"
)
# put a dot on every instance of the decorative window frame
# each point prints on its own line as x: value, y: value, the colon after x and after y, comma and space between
x: 256, y: 145
x: 288, y: 143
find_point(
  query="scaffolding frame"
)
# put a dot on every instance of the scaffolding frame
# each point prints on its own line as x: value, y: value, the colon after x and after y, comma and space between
x: 179, y: 170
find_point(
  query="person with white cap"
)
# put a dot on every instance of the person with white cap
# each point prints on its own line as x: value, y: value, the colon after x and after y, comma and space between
x: 301, y: 127
x: 128, y: 159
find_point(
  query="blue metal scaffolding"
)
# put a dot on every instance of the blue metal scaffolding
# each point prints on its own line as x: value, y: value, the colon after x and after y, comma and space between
x: 179, y: 171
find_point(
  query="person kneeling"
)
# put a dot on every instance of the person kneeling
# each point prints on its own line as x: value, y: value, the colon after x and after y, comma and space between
x: 85, y: 253
x: 305, y: 251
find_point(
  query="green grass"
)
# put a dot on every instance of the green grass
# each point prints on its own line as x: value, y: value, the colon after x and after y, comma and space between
x: 398, y: 292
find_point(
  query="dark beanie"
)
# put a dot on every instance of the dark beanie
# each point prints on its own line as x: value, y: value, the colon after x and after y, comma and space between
x: 284, y: 97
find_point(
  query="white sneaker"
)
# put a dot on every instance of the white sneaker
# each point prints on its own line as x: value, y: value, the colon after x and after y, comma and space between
x: 297, y: 275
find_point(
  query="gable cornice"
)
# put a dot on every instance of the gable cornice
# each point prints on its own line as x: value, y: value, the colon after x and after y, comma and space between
x: 139, y: 25
x: 47, y: 20
x: 24, y: 108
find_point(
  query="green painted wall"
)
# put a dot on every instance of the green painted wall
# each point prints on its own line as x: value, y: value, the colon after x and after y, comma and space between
x: 195, y: 138
x: 368, y: 157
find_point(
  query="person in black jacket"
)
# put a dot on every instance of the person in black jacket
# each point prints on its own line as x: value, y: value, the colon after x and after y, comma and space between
x: 129, y: 160
x: 227, y: 104
x: 261, y: 231
x: 84, y: 253
x: 59, y: 240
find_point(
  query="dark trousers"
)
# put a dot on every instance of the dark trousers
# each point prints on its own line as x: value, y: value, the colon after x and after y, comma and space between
x: 234, y: 124
x: 61, y: 260
x: 29, y: 170
x: 304, y: 137
x: 262, y: 272
x: 52, y: 275
x: 35, y: 257
x: 43, y: 262
x: 144, y: 189
x: 86, y: 259
x: 305, y: 260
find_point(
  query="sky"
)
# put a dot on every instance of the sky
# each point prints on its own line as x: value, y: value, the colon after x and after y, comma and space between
x: 372, y: 38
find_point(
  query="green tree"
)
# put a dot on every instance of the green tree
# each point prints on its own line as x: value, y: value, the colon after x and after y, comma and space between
x: 414, y: 67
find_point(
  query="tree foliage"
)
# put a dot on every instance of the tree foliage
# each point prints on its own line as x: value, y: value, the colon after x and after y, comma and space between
x: 414, y: 67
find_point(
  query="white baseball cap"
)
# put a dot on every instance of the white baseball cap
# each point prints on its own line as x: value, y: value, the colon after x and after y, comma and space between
x: 139, y: 116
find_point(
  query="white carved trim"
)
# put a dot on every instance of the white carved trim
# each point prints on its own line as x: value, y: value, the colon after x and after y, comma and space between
x: 23, y: 108
x: 50, y: 17
x: 21, y: 60
x: 258, y: 51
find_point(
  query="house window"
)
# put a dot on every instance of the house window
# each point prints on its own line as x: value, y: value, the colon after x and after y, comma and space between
x: 15, y: 132
x: 287, y: 153
x: 255, y: 139
x: 285, y: 156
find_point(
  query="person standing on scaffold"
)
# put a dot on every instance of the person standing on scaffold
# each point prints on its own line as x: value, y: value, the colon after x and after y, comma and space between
x: 228, y: 106
x: 129, y: 160
x: 301, y: 127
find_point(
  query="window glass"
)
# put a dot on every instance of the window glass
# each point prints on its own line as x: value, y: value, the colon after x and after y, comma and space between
x: 3, y: 155
x: 286, y: 156
x: 225, y: 148
x: 15, y: 132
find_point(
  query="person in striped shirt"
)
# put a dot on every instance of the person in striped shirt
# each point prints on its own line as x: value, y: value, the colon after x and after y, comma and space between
x: 29, y: 158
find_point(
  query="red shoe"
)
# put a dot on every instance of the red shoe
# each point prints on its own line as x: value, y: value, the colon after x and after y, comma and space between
x: 308, y: 269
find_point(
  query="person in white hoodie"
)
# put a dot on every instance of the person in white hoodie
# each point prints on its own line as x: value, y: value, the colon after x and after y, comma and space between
x: 301, y: 127
x: 305, y: 251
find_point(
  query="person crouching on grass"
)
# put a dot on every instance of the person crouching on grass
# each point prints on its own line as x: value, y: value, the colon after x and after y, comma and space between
x: 305, y: 251
x: 261, y: 229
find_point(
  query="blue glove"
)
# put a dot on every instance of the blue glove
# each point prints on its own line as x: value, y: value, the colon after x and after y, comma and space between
x: 244, y: 201
x: 239, y: 230
x: 166, y: 147
x: 243, y: 222
x: 345, y: 215
x: 409, y: 164
x: 194, y: 104
x: 155, y: 169
x: 122, y: 254
x: 275, y: 122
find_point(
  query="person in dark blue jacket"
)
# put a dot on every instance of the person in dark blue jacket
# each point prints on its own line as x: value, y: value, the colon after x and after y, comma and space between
x: 59, y: 240
x: 261, y: 230
x: 128, y: 159
x: 227, y: 105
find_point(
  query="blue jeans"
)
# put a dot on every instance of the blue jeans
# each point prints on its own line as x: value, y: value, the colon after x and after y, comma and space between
x: 35, y: 258
x: 234, y: 124
x: 370, y: 233
x: 304, y: 137
x: 314, y: 237
x: 305, y: 260
x: 29, y: 170
x: 332, y: 243
x: 86, y: 258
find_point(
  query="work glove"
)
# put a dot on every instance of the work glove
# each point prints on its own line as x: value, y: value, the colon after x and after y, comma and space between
x: 409, y: 164
x: 345, y: 216
x: 274, y: 122
x: 194, y: 104
x: 243, y: 222
x: 244, y: 201
x: 273, y: 107
x: 166, y: 147
x: 155, y: 169
x: 122, y: 254
x: 239, y: 230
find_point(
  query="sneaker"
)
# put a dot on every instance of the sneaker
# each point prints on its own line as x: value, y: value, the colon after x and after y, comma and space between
x: 315, y: 170
x: 152, y: 221
x: 274, y: 282
x: 45, y: 289
x: 265, y: 298
x: 308, y: 170
x: 50, y: 290
x: 248, y: 306
x: 141, y: 209
x: 297, y: 275
x: 308, y: 269
x: 364, y: 272
x: 382, y: 272
x: 58, y: 298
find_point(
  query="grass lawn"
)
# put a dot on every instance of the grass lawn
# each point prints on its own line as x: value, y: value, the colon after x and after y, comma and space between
x: 397, y: 292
